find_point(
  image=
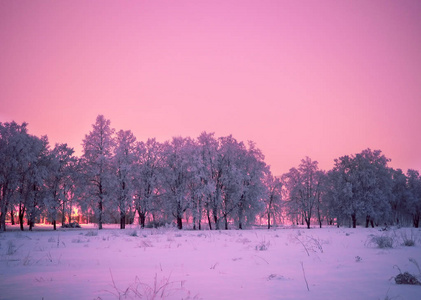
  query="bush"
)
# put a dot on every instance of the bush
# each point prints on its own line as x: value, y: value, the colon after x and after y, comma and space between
x: 262, y: 246
x: 133, y: 233
x: 71, y: 225
x: 409, y: 240
x: 156, y: 224
x: 92, y: 233
x: 11, y: 248
x: 407, y: 278
x: 382, y: 241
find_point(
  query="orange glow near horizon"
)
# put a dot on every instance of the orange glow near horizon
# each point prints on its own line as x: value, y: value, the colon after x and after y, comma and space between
x: 320, y: 79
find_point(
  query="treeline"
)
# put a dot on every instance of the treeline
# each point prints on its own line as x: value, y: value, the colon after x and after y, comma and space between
x: 210, y: 181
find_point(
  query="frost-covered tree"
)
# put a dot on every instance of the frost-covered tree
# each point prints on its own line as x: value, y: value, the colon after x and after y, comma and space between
x: 273, y: 199
x: 97, y: 166
x: 24, y: 168
x: 123, y: 165
x: 38, y: 174
x: 62, y: 166
x: 231, y: 176
x: 14, y: 157
x: 32, y: 172
x: 304, y: 186
x: 197, y: 189
x: 400, y: 195
x: 147, y: 177
x: 363, y: 186
x: 210, y: 172
x: 253, y: 190
x: 179, y: 168
x: 322, y: 209
x: 414, y: 199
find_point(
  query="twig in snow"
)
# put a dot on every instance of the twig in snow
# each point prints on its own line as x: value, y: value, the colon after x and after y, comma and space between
x: 213, y: 266
x: 262, y: 258
x: 304, y: 274
x: 305, y: 248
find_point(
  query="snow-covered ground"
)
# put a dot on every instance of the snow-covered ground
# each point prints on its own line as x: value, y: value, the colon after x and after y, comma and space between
x: 335, y: 263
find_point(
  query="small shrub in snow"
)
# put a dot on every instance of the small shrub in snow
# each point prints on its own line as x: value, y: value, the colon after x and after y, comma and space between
x: 275, y: 277
x: 382, y: 241
x: 160, y: 289
x: 243, y: 241
x: 315, y: 243
x: 11, y: 248
x: 311, y: 244
x: 51, y: 240
x: 26, y: 260
x: 156, y: 224
x: 407, y: 278
x: 409, y: 243
x: 262, y: 246
x: 133, y: 233
x: 410, y: 239
x: 92, y: 233
x: 79, y: 240
x: 145, y: 244
x: 71, y: 225
x: 358, y: 258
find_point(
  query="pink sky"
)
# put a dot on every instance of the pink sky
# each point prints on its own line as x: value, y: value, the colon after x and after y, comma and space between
x: 299, y: 78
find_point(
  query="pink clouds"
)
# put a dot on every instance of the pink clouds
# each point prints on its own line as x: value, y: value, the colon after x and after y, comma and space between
x: 322, y: 79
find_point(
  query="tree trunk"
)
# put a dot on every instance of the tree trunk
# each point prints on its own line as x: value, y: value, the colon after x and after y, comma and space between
x: 2, y: 221
x: 307, y: 222
x: 21, y: 222
x: 179, y: 222
x: 3, y: 213
x: 215, y: 218
x: 226, y: 222
x: 70, y: 210
x: 122, y: 221
x: 63, y: 216
x: 100, y: 214
x: 142, y: 219
x: 367, y: 221
x: 21, y: 214
x: 269, y: 220
x: 3, y: 208
x: 55, y: 224
x: 12, y: 216
x: 319, y: 217
x: 354, y: 221
x: 209, y: 219
x: 416, y: 219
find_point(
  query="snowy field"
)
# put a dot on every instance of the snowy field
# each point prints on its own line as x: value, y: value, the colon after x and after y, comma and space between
x: 283, y: 263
